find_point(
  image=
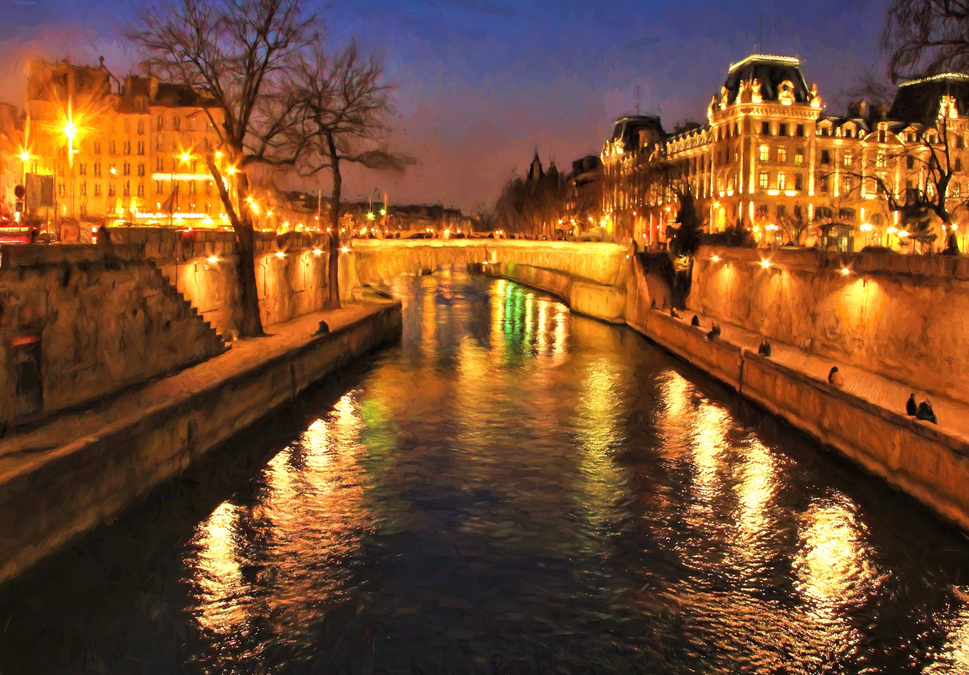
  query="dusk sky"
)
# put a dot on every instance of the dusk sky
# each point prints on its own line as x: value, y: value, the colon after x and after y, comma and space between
x: 482, y: 83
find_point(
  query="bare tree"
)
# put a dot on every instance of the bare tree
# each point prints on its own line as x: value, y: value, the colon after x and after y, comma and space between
x: 926, y: 37
x: 238, y: 53
x: 795, y: 225
x: 342, y: 101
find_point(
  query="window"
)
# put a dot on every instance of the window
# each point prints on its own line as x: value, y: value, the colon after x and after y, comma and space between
x: 846, y: 185
x: 800, y: 130
x: 954, y: 191
x: 191, y: 124
x: 797, y: 211
x: 825, y: 156
x: 126, y: 169
x: 160, y: 143
x: 799, y: 157
x: 160, y: 123
x: 781, y: 155
x: 958, y: 163
x: 126, y: 189
x: 823, y: 184
x: 880, y: 159
x: 82, y: 169
x: 764, y: 180
x: 798, y: 181
x: 97, y: 189
x: 781, y: 181
x: 764, y: 153
x: 112, y: 148
x: 762, y: 210
x: 882, y: 136
x: 97, y: 147
x: 765, y: 128
x: 191, y: 187
x: 112, y: 191
x: 176, y: 123
x: 159, y: 187
x: 910, y: 162
x: 159, y: 164
x: 97, y: 169
x: 781, y: 211
x: 60, y: 189
x: 141, y: 125
x: 141, y: 147
x: 782, y: 129
x: 208, y: 187
x: 141, y: 190
x: 127, y: 147
x: 82, y: 189
x: 141, y: 168
x: 846, y: 159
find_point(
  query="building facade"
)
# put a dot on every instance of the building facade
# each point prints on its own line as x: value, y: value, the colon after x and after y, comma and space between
x: 770, y: 160
x: 128, y: 151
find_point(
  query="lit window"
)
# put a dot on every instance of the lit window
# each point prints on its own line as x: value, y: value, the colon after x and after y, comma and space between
x: 781, y: 180
x: 764, y: 180
x: 880, y: 159
x: 764, y: 153
x: 781, y: 155
x: 799, y: 157
x: 846, y: 158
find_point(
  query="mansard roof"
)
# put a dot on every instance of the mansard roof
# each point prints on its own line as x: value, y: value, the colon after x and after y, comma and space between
x: 919, y: 100
x: 771, y: 71
x: 627, y: 129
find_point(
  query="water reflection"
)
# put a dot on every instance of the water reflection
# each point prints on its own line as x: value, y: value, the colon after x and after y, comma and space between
x: 517, y: 489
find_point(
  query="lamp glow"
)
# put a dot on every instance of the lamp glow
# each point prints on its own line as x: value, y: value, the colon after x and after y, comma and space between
x: 845, y: 271
x: 280, y: 254
x: 345, y: 249
x: 715, y: 258
x: 765, y: 264
x: 213, y: 258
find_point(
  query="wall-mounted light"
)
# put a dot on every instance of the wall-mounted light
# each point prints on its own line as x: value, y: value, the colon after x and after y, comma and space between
x: 213, y: 258
x: 345, y: 249
x: 715, y: 258
x: 765, y: 264
x: 317, y: 251
x: 280, y: 254
x: 845, y: 271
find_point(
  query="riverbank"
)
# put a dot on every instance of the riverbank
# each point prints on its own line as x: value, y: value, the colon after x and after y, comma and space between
x: 864, y: 419
x: 60, y: 480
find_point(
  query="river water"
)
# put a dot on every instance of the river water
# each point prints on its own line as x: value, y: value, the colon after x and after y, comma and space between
x: 513, y: 489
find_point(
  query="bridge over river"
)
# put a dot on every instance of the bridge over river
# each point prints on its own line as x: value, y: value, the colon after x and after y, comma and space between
x: 514, y: 488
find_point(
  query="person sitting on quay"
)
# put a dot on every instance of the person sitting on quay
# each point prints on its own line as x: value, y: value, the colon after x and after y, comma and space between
x: 714, y: 332
x: 764, y: 348
x: 673, y: 313
x: 695, y: 321
x: 926, y: 413
x: 835, y: 378
x: 911, y: 408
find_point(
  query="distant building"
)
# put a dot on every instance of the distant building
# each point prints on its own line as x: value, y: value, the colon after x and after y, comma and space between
x: 129, y: 151
x: 768, y: 156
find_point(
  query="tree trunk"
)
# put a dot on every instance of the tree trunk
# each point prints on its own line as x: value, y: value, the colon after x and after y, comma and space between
x: 333, y: 257
x: 250, y: 323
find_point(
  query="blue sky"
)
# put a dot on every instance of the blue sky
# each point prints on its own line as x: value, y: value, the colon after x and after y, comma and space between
x: 482, y: 83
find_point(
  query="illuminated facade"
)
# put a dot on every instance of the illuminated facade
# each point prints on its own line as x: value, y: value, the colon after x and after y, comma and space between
x: 131, y: 150
x: 771, y: 160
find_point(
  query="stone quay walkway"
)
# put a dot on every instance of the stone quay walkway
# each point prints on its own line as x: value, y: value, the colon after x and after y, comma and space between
x: 30, y: 447
x: 953, y: 415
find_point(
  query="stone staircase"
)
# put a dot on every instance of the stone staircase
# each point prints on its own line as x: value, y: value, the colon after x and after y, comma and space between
x: 183, y: 309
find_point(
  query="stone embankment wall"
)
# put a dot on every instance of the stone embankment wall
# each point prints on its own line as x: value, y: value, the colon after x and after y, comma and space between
x: 904, y: 317
x: 590, y: 278
x: 93, y: 321
x: 52, y: 495
x: 291, y: 271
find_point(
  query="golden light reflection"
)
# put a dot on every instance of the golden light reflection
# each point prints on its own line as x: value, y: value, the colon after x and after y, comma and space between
x: 953, y: 657
x: 673, y: 413
x: 597, y: 422
x: 498, y: 321
x: 429, y: 342
x: 755, y: 493
x: 832, y: 566
x: 541, y: 341
x: 223, y: 602
x: 710, y: 427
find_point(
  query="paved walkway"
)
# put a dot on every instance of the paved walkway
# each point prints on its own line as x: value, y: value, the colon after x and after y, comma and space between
x: 881, y: 391
x: 243, y: 355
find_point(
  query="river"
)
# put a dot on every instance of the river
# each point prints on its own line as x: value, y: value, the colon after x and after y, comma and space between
x: 513, y: 489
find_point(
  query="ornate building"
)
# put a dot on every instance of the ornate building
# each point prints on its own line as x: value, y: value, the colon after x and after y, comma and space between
x: 129, y: 151
x: 771, y: 160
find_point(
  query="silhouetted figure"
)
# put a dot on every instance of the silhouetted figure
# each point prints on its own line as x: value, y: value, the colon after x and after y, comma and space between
x: 695, y: 321
x: 673, y: 313
x: 714, y: 332
x: 104, y: 237
x: 764, y: 348
x: 324, y: 328
x: 926, y: 413
x: 835, y: 378
x: 910, y: 407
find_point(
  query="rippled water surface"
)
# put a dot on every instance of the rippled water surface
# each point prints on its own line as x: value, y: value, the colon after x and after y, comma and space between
x: 512, y: 489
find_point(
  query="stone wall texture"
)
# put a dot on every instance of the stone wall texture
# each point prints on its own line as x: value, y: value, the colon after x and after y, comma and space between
x: 100, y: 319
x: 904, y: 317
